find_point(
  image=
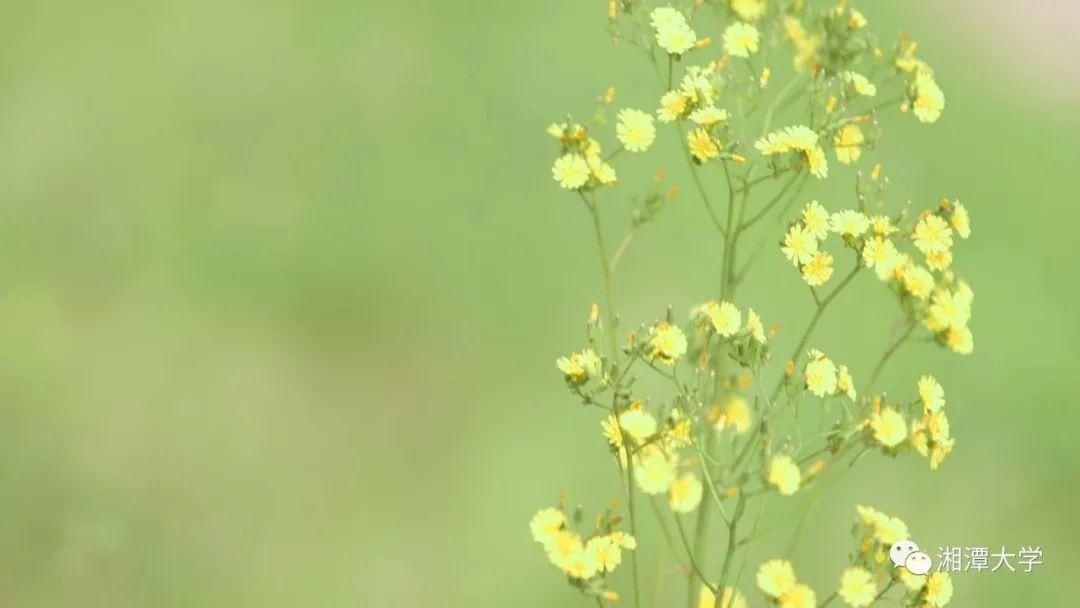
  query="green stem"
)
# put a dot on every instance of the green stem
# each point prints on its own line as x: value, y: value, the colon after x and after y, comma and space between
x: 889, y: 352
x: 693, y: 562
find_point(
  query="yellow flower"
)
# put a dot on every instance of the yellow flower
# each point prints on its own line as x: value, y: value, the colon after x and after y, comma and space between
x: 702, y: 146
x: 563, y: 547
x: 603, y: 172
x: 684, y: 495
x: 949, y: 310
x: 931, y: 394
x: 890, y: 428
x: 604, y: 552
x: 741, y: 39
x: 816, y: 220
x: 735, y: 413
x: 960, y: 340
x: 844, y: 383
x: 579, y: 367
x: 581, y: 565
x: 857, y: 587
x: 857, y: 21
x: 848, y: 142
x: 960, y: 220
x: 748, y: 10
x: 860, y: 84
x: 932, y: 234
x: 571, y: 171
x: 614, y: 435
x: 654, y: 471
x: 755, y: 327
x: 799, y: 596
x: 887, y: 530
x: 880, y: 254
x: 546, y: 524
x: 730, y: 599
x: 818, y: 270
x: 666, y: 16
x: 709, y: 115
x: 638, y: 424
x: 939, y: 589
x: 796, y: 139
x: 623, y: 540
x: 785, y: 475
x: 724, y: 317
x: 776, y: 577
x: 676, y: 38
x: 939, y: 260
x: 635, y: 130
x: 917, y: 281
x: 849, y: 223
x: 697, y: 85
x: 929, y: 99
x: 672, y: 106
x: 799, y: 245
x: 820, y: 374
x: 882, y: 225
x: 667, y: 343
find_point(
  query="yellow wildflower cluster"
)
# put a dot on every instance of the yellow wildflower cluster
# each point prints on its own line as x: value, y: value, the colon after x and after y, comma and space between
x: 693, y: 412
x: 579, y: 558
x: 875, y: 533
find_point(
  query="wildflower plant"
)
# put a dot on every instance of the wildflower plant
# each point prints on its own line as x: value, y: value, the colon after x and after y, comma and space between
x: 724, y: 435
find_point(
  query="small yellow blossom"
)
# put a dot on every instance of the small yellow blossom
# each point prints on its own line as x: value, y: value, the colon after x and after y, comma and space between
x: 654, y: 471
x: 604, y: 552
x: 799, y: 596
x: 672, y: 106
x: 546, y: 524
x: 848, y: 142
x: 623, y: 540
x: 844, y: 383
x: 857, y: 587
x: 702, y: 146
x: 889, y: 426
x: 799, y: 245
x: 784, y: 474
x: 755, y: 327
x: 931, y: 393
x: 960, y: 220
x: 635, y: 130
x: 849, y: 223
x: 932, y: 234
x: 820, y: 375
x: 818, y: 270
x: 857, y: 20
x: 731, y: 598
x: 741, y: 39
x: 579, y: 367
x: 603, y: 172
x: 735, y: 414
x: 960, y: 340
x: 796, y: 139
x: 860, y: 84
x: 570, y: 171
x: 638, y: 424
x: 917, y: 281
x: 748, y: 10
x: 708, y: 116
x: 929, y: 99
x: 684, y: 495
x: 939, y: 260
x: 939, y: 589
x: 673, y: 33
x: 667, y: 343
x: 816, y: 220
x: 880, y: 254
x: 564, y: 548
x: 724, y: 317
x: 882, y: 225
x: 776, y: 577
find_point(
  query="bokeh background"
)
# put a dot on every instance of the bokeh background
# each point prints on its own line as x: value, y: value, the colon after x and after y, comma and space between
x: 283, y: 284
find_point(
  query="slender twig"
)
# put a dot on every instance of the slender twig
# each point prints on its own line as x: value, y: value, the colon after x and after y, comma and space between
x: 889, y: 352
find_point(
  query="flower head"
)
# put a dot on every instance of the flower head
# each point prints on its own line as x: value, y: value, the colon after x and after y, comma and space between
x: 776, y: 577
x: 849, y: 223
x: 635, y: 130
x: 931, y: 394
x: 667, y: 343
x: 546, y: 524
x: 848, y: 141
x: 654, y: 471
x: 672, y: 106
x: 724, y: 317
x: 755, y: 327
x: 731, y: 598
x: 799, y: 596
x: 799, y: 245
x: 816, y: 220
x: 929, y: 100
x: 820, y: 375
x: 579, y: 367
x: 818, y: 270
x: 784, y: 474
x: 570, y: 171
x: 860, y: 84
x: 932, y: 234
x: 889, y: 427
x: 702, y: 145
x: 939, y: 589
x: 684, y: 495
x: 960, y: 220
x: 741, y: 39
x: 748, y: 10
x: 857, y: 587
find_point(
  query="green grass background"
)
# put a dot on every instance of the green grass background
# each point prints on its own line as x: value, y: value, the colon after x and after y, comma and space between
x: 283, y: 284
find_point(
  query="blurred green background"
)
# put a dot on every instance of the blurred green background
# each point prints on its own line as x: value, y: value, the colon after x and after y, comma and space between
x: 284, y: 283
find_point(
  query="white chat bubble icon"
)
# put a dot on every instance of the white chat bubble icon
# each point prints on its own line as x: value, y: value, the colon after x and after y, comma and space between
x: 918, y: 563
x: 900, y: 550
